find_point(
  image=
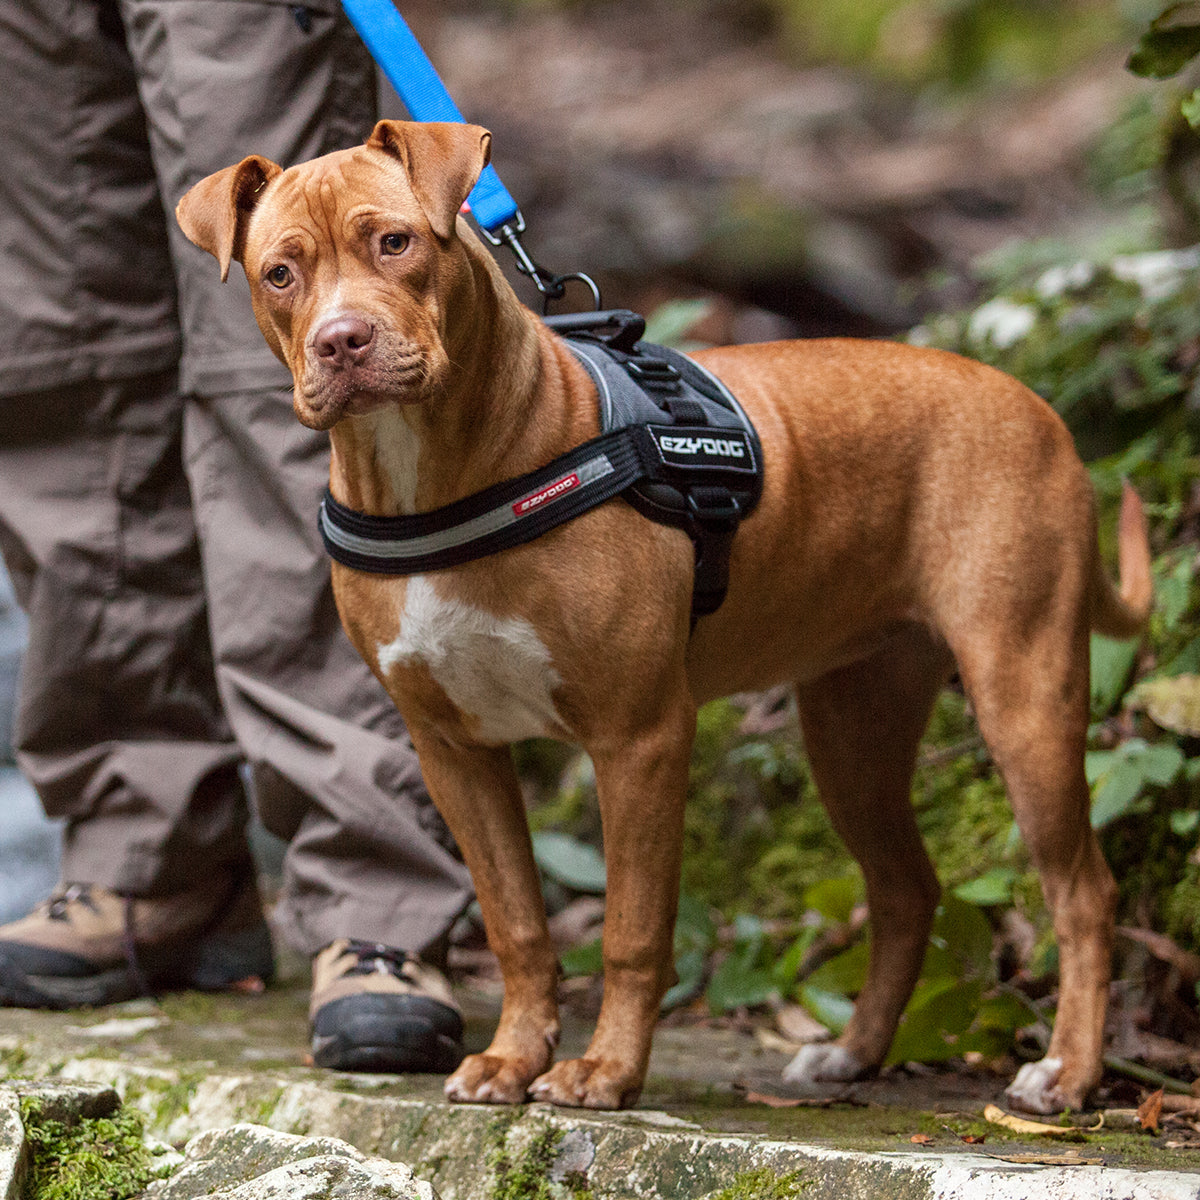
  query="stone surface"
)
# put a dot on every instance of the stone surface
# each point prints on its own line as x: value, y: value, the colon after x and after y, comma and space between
x: 252, y: 1162
x: 211, y: 1063
x: 12, y: 1142
x: 59, y: 1100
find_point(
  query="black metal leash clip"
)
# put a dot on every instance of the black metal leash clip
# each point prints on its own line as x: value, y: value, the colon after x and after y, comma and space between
x: 552, y: 287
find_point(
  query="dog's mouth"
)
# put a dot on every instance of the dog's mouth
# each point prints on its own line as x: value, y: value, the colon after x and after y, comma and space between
x: 323, y: 397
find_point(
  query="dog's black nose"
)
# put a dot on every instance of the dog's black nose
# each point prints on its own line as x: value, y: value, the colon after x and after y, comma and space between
x: 343, y: 341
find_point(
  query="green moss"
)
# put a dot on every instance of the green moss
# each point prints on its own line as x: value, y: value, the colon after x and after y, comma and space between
x: 14, y: 1060
x: 262, y: 1112
x: 763, y: 1184
x: 85, y: 1159
x: 525, y: 1175
x: 163, y: 1100
x: 1182, y: 907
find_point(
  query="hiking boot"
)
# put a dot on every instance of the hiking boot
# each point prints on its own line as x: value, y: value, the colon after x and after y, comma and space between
x: 87, y: 945
x: 378, y: 1009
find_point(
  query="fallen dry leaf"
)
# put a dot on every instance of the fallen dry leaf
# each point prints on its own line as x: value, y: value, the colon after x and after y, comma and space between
x: 973, y: 1139
x: 997, y: 1116
x: 798, y: 1025
x: 921, y: 1139
x: 1068, y: 1158
x: 1150, y: 1111
x: 789, y: 1101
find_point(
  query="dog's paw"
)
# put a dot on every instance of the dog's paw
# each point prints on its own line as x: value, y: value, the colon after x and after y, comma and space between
x: 488, y: 1079
x: 1036, y: 1088
x: 587, y: 1083
x: 825, y: 1062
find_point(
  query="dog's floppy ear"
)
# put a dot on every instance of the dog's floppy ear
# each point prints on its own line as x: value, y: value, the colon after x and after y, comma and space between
x: 213, y: 214
x: 443, y: 161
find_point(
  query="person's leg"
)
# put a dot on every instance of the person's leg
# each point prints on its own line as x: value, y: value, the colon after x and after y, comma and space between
x: 368, y: 861
x: 118, y: 723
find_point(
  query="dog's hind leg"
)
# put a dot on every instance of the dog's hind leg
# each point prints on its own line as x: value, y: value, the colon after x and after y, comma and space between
x: 1030, y: 691
x: 862, y: 725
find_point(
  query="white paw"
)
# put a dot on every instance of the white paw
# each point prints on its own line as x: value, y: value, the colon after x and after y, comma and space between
x: 1034, y: 1090
x: 824, y: 1063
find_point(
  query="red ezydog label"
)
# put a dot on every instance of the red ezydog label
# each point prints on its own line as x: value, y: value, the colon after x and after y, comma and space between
x: 568, y: 483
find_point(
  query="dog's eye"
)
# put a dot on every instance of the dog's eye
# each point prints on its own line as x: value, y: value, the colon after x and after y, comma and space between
x: 393, y: 243
x: 279, y: 276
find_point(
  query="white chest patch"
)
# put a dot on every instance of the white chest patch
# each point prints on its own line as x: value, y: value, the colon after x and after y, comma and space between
x: 397, y: 448
x: 494, y: 669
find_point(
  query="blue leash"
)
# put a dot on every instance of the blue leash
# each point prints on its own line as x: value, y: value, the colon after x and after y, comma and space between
x: 387, y: 36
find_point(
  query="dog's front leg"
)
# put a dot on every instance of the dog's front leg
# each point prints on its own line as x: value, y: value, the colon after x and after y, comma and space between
x: 642, y: 785
x: 476, y: 791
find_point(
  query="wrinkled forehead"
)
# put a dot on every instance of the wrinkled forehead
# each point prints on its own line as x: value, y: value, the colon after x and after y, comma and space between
x: 323, y: 196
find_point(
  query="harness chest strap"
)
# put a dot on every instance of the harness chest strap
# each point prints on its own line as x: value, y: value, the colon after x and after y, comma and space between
x: 504, y: 515
x: 683, y: 470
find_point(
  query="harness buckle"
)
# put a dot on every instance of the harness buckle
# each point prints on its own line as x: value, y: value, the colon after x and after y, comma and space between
x: 654, y: 373
x: 713, y: 509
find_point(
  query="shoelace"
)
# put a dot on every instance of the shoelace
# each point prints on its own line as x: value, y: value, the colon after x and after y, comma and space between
x: 59, y: 905
x: 374, y: 957
x: 58, y: 908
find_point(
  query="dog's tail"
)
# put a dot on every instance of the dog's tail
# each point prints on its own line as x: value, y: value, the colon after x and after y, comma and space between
x: 1123, y: 614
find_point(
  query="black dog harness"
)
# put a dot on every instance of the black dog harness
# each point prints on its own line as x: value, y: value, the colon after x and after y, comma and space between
x: 674, y: 443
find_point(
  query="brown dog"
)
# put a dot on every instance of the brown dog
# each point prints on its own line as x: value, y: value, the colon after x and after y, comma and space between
x: 921, y: 514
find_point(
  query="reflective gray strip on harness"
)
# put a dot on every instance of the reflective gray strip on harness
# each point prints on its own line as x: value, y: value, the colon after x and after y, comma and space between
x: 395, y: 553
x: 677, y: 446
x: 504, y: 515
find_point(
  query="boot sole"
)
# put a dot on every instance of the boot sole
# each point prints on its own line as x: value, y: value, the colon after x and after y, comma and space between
x: 427, y: 1053
x: 392, y: 1034
x: 212, y: 964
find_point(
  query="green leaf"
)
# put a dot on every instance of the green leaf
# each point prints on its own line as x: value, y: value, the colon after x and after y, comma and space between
x: 832, y: 1009
x: 694, y: 926
x: 992, y: 887
x: 571, y: 862
x: 1111, y: 664
x: 1161, y: 763
x: 668, y: 323
x: 689, y: 966
x: 1172, y: 703
x: 1006, y: 1011
x: 1190, y: 107
x: 1116, y: 794
x: 788, y: 965
x: 1171, y: 42
x: 738, y: 984
x: 963, y: 929
x: 1184, y: 824
x: 584, y: 959
x: 1186, y: 662
x: 835, y: 898
x: 996, y: 1022
x: 938, y: 1012
x: 1173, y: 593
x: 845, y: 973
x: 1122, y: 774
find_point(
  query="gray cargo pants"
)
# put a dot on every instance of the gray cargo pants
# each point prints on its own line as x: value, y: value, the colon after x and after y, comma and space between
x: 158, y: 498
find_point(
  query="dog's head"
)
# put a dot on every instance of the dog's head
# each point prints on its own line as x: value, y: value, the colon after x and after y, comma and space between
x: 353, y: 260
